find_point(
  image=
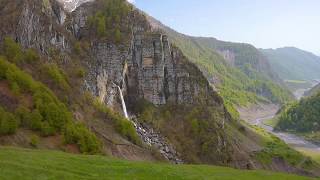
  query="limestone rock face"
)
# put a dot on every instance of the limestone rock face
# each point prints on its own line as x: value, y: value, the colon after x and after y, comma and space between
x: 35, y: 25
x: 145, y: 67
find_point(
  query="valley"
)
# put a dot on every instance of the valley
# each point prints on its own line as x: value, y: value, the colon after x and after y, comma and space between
x: 264, y: 116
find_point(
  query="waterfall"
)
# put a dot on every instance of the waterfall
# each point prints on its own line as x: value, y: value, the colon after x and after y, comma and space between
x: 124, y: 107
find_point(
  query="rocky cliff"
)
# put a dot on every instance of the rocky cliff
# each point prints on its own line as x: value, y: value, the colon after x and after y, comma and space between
x: 145, y: 66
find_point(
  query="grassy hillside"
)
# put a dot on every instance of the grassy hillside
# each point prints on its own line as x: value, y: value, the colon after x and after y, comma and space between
x: 40, y: 164
x: 247, y: 79
x: 293, y: 64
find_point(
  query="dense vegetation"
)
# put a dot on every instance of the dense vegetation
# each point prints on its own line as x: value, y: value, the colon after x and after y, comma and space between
x: 239, y: 85
x: 36, y: 164
x: 110, y: 22
x: 293, y: 64
x: 46, y: 114
x: 302, y: 117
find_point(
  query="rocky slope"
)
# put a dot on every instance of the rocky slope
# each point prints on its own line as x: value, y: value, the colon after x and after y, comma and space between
x: 313, y: 91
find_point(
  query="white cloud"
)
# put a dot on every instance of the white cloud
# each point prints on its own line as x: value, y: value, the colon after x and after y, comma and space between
x: 131, y: 1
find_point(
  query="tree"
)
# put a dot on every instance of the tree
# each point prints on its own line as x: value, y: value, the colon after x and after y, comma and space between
x: 8, y: 123
x: 117, y: 36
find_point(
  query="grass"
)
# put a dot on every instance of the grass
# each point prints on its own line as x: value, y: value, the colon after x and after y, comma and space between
x: 276, y: 148
x: 16, y: 163
x: 296, y: 81
x: 271, y: 122
x: 315, y: 155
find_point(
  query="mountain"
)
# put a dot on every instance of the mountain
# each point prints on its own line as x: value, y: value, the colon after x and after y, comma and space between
x: 239, y: 71
x: 100, y: 80
x: 293, y: 64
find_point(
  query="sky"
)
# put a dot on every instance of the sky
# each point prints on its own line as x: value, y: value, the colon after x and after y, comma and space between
x: 263, y: 23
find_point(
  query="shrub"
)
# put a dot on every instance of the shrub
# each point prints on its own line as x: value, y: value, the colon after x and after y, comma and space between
x: 117, y: 36
x: 23, y: 115
x: 46, y: 129
x: 35, y: 120
x: 122, y: 125
x: 126, y: 129
x: 31, y: 56
x: 79, y: 134
x: 34, y: 140
x: 8, y: 123
x: 57, y: 75
x: 12, y: 50
x: 77, y: 47
x: 80, y: 72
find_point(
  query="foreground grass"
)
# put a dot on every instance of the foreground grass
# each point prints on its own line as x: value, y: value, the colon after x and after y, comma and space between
x: 39, y: 164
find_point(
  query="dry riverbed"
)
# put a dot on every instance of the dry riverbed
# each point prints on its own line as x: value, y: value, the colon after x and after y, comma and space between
x: 258, y: 114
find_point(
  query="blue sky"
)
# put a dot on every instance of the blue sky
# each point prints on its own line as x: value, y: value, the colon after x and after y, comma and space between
x: 263, y: 23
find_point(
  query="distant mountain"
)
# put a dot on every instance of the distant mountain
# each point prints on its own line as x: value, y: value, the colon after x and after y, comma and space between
x: 293, y: 64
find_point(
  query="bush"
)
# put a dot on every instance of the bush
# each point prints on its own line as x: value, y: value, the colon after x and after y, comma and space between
x: 12, y: 50
x: 35, y: 120
x: 126, y: 129
x: 8, y: 123
x: 34, y: 140
x: 46, y: 129
x: 79, y: 134
x: 31, y: 56
x: 23, y: 115
x: 122, y: 125
x: 80, y: 72
x: 57, y: 75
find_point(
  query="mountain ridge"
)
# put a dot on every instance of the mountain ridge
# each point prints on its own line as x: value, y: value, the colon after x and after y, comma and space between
x: 292, y: 63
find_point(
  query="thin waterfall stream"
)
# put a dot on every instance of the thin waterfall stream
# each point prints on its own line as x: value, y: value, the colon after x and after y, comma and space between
x: 124, y: 107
